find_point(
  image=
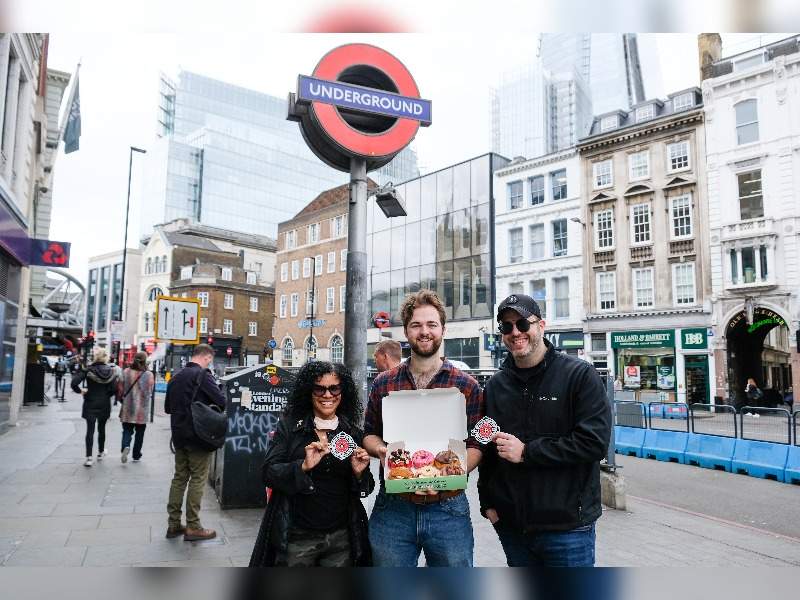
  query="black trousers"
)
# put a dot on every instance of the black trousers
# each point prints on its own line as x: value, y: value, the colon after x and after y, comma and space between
x: 127, y: 433
x: 101, y: 434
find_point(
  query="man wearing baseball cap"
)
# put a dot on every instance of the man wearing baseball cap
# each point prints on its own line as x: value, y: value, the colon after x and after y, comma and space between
x: 539, y: 481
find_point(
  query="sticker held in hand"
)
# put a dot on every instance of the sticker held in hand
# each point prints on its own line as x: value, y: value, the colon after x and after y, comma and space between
x: 485, y: 430
x: 342, y: 445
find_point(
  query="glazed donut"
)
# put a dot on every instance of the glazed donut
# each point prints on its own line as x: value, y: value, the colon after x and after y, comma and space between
x: 421, y: 458
x: 401, y: 473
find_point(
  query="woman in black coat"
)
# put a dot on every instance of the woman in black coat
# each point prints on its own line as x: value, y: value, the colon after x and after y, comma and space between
x: 101, y: 385
x: 315, y: 516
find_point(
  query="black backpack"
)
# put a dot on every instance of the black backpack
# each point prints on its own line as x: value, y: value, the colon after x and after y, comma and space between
x: 209, y: 421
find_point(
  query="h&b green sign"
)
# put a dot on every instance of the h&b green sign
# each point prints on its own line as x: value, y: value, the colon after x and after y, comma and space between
x: 695, y: 338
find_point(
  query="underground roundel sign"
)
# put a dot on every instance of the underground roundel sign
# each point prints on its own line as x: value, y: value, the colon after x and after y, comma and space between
x: 359, y: 102
x: 381, y: 320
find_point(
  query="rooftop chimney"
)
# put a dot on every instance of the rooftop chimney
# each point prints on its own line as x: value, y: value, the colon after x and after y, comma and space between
x: 709, y: 48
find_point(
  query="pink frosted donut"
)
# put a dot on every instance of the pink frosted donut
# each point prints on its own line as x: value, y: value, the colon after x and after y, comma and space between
x: 421, y: 458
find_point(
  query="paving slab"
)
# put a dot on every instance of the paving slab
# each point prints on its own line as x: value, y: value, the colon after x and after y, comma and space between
x: 53, y: 557
x: 118, y: 536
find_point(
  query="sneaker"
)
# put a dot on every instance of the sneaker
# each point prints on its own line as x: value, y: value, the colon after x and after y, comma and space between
x: 756, y: 415
x: 195, y: 535
x: 124, y: 457
x: 101, y: 455
x: 137, y: 459
x: 87, y: 462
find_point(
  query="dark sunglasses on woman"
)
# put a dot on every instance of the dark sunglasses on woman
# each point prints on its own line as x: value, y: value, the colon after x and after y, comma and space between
x: 319, y: 390
x: 523, y: 325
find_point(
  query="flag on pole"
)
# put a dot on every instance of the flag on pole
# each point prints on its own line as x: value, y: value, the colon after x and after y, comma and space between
x: 72, y: 131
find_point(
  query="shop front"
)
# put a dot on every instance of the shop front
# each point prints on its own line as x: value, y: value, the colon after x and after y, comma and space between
x: 645, y: 361
x: 568, y: 342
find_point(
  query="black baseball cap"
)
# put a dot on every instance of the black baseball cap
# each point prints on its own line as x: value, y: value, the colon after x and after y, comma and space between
x: 523, y: 305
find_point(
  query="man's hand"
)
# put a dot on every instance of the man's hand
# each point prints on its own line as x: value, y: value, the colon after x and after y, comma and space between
x: 314, y: 453
x: 509, y: 447
x: 375, y: 446
x: 491, y: 514
x: 359, y: 461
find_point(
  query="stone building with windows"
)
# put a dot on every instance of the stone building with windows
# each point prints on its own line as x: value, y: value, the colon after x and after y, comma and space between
x: 752, y: 116
x: 647, y: 293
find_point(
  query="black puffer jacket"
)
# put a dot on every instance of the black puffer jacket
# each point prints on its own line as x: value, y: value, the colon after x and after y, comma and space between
x: 283, y: 473
x: 559, y: 410
x: 101, y: 384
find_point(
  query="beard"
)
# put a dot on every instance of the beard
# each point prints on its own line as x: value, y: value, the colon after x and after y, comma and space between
x: 530, y: 348
x: 435, y: 345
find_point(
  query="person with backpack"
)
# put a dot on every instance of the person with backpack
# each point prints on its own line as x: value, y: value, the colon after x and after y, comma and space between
x: 193, y: 383
x: 101, y: 385
x: 133, y: 392
x: 60, y: 369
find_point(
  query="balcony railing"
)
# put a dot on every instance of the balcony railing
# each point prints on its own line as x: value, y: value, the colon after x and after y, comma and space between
x: 748, y: 229
x: 680, y: 247
x: 604, y: 258
x: 641, y: 253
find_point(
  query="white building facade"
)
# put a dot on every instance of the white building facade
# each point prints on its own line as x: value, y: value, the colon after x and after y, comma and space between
x: 107, y: 301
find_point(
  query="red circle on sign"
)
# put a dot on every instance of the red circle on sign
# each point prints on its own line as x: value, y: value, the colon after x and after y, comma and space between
x: 391, y: 141
x: 382, y: 320
x: 229, y: 351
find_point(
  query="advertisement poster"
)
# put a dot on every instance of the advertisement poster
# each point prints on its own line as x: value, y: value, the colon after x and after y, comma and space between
x: 632, y: 376
x: 666, y: 378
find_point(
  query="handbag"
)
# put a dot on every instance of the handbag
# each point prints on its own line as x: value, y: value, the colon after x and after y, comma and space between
x: 209, y: 421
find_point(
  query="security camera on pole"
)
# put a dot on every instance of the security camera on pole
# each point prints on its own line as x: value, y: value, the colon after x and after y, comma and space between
x: 357, y: 111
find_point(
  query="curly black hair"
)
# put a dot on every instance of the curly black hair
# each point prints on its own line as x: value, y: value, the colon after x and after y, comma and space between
x: 299, y: 405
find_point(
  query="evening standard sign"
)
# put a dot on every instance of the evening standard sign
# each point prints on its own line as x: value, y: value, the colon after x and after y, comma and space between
x: 356, y: 97
x: 643, y: 339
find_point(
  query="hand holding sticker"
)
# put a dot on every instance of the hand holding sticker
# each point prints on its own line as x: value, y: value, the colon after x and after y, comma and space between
x: 342, y: 445
x: 485, y: 430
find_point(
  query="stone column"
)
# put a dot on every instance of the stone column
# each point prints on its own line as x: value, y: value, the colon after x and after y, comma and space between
x: 5, y: 50
x: 10, y: 128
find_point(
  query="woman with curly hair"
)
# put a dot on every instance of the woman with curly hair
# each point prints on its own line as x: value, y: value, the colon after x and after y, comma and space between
x: 315, y: 516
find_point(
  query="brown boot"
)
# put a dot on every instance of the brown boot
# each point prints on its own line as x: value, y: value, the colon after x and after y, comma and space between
x: 173, y: 532
x: 194, y: 535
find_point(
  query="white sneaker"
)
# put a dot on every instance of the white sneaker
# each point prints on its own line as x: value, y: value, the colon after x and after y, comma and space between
x: 124, y: 457
x: 756, y: 415
x: 102, y: 455
x: 87, y: 462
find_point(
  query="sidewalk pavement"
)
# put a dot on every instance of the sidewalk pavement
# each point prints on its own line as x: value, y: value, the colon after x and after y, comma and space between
x: 56, y: 512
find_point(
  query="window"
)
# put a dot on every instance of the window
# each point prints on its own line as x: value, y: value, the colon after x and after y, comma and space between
x: 608, y: 123
x: 331, y: 262
x: 643, y: 287
x: 306, y: 267
x: 227, y: 326
x: 147, y: 321
x: 338, y: 226
x: 343, y: 260
x: 561, y: 298
x: 604, y: 229
x: 295, y: 300
x: 203, y: 324
x: 286, y: 352
x: 313, y: 233
x: 537, y: 189
x: 291, y: 239
x: 603, y: 174
x: 515, y: 245
x: 282, y: 307
x: 295, y: 270
x: 227, y: 274
x: 606, y: 291
x: 681, y: 214
x: 640, y: 224
x: 284, y: 271
x: 337, y: 349
x: 342, y: 297
x: 537, y: 241
x: 514, y: 195
x: 148, y: 267
x: 251, y: 278
x: 749, y: 265
x: 164, y: 264
x: 515, y: 288
x: 318, y: 264
x: 678, y: 156
x: 330, y: 299
x: 643, y: 113
x: 599, y: 342
x: 683, y: 289
x: 228, y: 301
x: 203, y: 297
x: 751, y: 204
x: 252, y: 328
x: 558, y: 179
x: 683, y: 101
x: 539, y: 293
x: 186, y: 272
x: 253, y: 304
x: 155, y: 293
x: 311, y: 348
x: 746, y: 122
x: 560, y: 237
x: 639, y: 165
x: 311, y: 303
x: 749, y: 62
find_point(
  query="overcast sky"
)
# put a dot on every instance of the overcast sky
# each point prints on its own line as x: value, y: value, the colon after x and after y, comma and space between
x: 119, y: 94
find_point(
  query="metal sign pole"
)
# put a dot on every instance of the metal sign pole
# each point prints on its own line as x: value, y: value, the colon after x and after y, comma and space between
x: 356, y: 301
x: 153, y: 394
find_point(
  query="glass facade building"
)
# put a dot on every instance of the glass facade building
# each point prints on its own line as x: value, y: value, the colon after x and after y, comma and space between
x: 228, y: 158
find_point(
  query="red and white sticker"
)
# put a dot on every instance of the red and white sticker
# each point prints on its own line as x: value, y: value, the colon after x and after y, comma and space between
x: 342, y: 445
x: 485, y: 430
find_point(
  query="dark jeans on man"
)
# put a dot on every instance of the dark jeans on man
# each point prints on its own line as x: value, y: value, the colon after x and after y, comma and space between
x: 101, y: 434
x: 127, y: 433
x: 574, y: 548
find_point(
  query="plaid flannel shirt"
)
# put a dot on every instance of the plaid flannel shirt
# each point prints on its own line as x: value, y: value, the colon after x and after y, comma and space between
x: 400, y: 378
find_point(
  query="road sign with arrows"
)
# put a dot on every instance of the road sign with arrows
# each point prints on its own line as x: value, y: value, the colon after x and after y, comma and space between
x: 178, y: 320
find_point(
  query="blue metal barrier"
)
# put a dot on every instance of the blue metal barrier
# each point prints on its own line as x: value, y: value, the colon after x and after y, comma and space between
x: 714, y: 419
x: 710, y: 451
x: 669, y: 446
x: 628, y: 441
x: 760, y: 459
x: 792, y: 471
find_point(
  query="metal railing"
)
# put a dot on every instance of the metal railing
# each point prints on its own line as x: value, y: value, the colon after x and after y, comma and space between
x: 765, y: 424
x: 794, y: 427
x: 714, y: 419
x: 676, y: 420
x: 629, y: 414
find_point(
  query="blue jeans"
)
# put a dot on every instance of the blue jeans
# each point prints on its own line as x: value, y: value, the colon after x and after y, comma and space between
x: 573, y: 548
x: 127, y: 433
x: 399, y: 530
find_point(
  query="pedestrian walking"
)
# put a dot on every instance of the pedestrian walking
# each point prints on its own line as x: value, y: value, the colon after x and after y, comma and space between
x: 101, y: 386
x: 134, y: 391
x: 436, y: 523
x: 192, y: 455
x: 539, y: 481
x: 315, y: 517
x: 388, y: 354
x: 60, y: 370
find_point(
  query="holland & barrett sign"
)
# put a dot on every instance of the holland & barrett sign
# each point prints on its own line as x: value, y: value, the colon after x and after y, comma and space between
x: 659, y: 338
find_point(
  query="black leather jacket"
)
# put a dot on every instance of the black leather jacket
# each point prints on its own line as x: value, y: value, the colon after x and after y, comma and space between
x: 283, y: 473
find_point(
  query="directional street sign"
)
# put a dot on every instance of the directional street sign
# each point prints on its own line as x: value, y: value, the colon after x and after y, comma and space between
x: 177, y: 320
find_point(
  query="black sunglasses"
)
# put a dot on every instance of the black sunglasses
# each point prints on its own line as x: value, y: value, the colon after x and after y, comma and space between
x: 320, y: 390
x: 523, y: 325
